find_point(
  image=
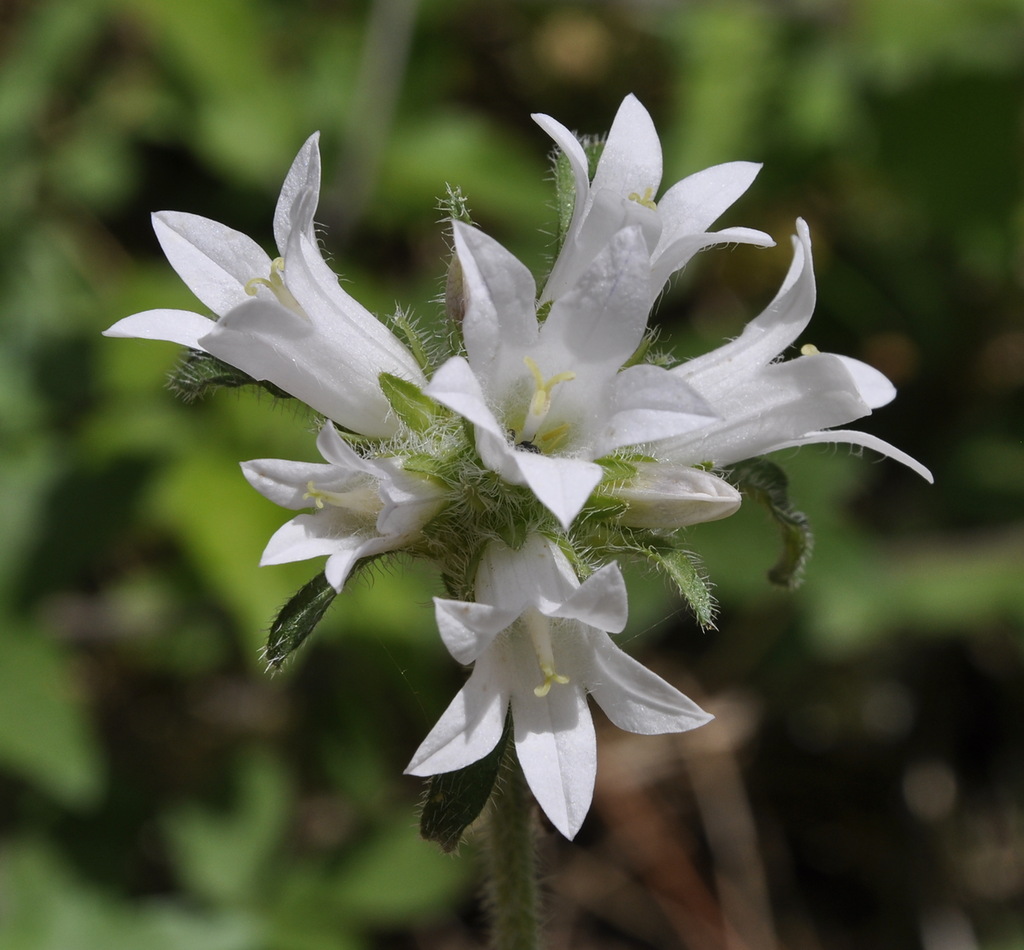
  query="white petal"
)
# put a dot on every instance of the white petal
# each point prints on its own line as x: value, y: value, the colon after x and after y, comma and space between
x: 633, y: 697
x: 338, y: 452
x: 303, y: 537
x: 286, y: 483
x: 339, y: 565
x: 577, y: 157
x: 674, y: 255
x: 874, y: 387
x: 536, y: 575
x: 410, y: 500
x: 853, y: 437
x: 303, y: 178
x: 557, y: 749
x: 271, y: 342
x: 693, y: 204
x: 600, y: 601
x: 215, y: 261
x: 500, y: 300
x: 631, y: 159
x: 175, y: 326
x: 648, y: 403
x: 603, y: 319
x: 767, y: 335
x: 779, y: 403
x: 344, y: 324
x: 468, y: 729
x: 467, y: 629
x: 562, y: 485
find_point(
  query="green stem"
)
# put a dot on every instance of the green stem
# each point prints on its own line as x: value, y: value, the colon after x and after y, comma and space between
x: 512, y: 865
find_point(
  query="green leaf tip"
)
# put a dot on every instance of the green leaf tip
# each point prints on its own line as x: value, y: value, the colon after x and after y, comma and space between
x: 766, y: 483
x: 297, y: 620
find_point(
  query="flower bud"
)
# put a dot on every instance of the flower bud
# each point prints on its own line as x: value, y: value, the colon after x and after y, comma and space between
x: 670, y: 495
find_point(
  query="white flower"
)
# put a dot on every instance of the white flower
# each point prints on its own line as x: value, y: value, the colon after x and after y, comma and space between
x: 362, y: 506
x: 284, y: 320
x: 622, y: 193
x: 764, y: 405
x: 537, y: 639
x: 547, y: 399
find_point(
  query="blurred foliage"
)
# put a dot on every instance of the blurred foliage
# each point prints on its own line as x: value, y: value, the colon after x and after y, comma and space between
x: 158, y: 789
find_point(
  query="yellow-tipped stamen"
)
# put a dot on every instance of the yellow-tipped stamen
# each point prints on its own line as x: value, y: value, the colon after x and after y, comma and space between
x: 646, y: 199
x: 539, y: 628
x: 275, y: 283
x: 809, y: 349
x: 540, y: 402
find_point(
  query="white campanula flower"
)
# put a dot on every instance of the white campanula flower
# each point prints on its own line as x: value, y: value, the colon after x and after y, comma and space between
x: 538, y: 639
x: 623, y: 193
x: 762, y: 404
x: 285, y: 320
x: 361, y: 506
x: 548, y: 398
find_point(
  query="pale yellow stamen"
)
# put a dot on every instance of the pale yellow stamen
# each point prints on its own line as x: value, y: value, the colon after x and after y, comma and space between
x: 646, y: 199
x: 540, y: 402
x: 540, y: 636
x: 809, y: 349
x: 275, y: 283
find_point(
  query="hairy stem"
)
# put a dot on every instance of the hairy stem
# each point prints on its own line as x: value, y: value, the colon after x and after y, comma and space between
x: 512, y: 865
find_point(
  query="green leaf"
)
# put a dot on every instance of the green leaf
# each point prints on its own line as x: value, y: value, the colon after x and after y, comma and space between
x: 417, y: 411
x: 686, y: 573
x: 766, y: 483
x: 199, y: 374
x: 455, y: 799
x: 297, y: 620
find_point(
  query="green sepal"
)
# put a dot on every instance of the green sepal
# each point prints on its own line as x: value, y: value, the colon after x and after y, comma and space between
x: 199, y: 373
x: 454, y: 800
x: 687, y: 574
x: 423, y: 464
x: 454, y: 204
x: 405, y: 326
x: 565, y: 184
x: 297, y: 620
x: 417, y: 411
x: 616, y: 469
x: 640, y: 353
x: 766, y: 483
x: 565, y: 195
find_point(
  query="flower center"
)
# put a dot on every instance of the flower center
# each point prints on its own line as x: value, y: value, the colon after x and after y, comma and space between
x: 646, y: 199
x: 539, y: 628
x: 275, y: 283
x: 540, y: 405
x: 365, y: 502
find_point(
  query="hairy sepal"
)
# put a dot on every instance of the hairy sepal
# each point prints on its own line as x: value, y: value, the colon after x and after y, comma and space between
x: 297, y: 620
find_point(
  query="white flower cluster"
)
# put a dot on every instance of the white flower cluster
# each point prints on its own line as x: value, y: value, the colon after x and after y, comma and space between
x: 578, y: 446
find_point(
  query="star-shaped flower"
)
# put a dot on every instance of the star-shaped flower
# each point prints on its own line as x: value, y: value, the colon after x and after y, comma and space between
x: 763, y: 404
x: 362, y: 506
x: 538, y: 639
x: 623, y: 193
x: 548, y: 398
x: 285, y: 320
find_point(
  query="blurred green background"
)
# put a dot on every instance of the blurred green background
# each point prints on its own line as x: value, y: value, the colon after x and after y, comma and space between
x: 863, y: 784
